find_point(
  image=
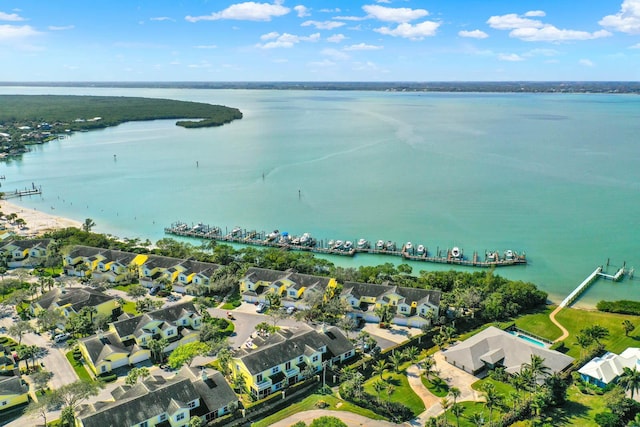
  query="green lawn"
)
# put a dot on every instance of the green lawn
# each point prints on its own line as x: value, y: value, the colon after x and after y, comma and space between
x: 124, y: 288
x: 403, y: 392
x: 438, y: 388
x: 575, y: 320
x: 309, y: 403
x: 539, y: 324
x: 79, y: 367
x: 130, y: 308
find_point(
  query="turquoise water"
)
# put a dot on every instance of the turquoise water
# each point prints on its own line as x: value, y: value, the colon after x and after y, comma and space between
x: 556, y: 176
x: 528, y: 339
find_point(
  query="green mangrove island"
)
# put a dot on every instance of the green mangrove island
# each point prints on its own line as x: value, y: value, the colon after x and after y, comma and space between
x: 35, y: 119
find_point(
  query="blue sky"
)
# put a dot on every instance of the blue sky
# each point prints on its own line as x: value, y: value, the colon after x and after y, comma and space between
x: 312, y: 40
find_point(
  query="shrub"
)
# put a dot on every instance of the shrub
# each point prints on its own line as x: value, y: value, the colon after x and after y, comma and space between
x: 108, y: 378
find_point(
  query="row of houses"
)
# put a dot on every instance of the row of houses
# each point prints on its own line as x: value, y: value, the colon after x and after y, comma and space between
x: 186, y: 276
x: 413, y: 307
x: 25, y: 253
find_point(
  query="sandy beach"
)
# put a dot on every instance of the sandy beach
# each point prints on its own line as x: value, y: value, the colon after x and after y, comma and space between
x: 36, y: 222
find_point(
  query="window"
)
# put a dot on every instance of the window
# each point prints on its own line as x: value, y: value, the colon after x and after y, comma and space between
x: 287, y: 366
x: 275, y: 369
x: 163, y: 417
x: 259, y: 378
x: 300, y: 359
x: 103, y: 368
x: 170, y: 332
x: 192, y: 404
x: 3, y: 403
x: 180, y: 416
x: 143, y: 424
x: 315, y: 358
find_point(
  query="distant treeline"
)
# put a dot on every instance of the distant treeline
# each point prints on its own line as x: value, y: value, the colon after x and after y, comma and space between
x: 512, y: 86
x: 76, y: 112
x: 621, y: 307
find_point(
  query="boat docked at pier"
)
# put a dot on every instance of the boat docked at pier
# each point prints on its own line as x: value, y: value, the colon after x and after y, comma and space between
x: 345, y: 247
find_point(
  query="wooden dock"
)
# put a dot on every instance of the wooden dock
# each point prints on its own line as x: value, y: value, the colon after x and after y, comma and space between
x: 254, y: 238
x: 20, y: 193
x: 581, y: 288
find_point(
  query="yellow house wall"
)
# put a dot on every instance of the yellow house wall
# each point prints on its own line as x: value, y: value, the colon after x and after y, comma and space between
x: 87, y: 359
x: 13, y: 400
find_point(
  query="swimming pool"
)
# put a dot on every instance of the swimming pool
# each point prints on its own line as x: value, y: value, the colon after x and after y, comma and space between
x: 528, y: 339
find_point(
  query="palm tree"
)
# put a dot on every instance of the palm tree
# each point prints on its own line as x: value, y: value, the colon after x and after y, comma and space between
x: 446, y: 404
x: 455, y: 393
x: 390, y: 389
x: 457, y: 410
x: 628, y: 327
x: 630, y: 380
x: 396, y: 360
x: 88, y: 224
x: 477, y: 419
x: 379, y: 386
x: 538, y: 369
x: 584, y: 341
x: 428, y: 366
x: 411, y: 353
x: 492, y: 399
x: 379, y: 367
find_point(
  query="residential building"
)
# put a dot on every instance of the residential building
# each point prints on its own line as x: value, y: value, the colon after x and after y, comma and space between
x: 127, y: 340
x: 195, y: 278
x: 291, y: 286
x: 606, y: 369
x: 82, y: 260
x: 414, y: 307
x: 288, y: 357
x: 7, y: 362
x: 72, y: 300
x: 156, y: 401
x: 25, y: 253
x: 494, y: 347
x: 118, y: 266
x: 160, y: 269
x: 13, y: 392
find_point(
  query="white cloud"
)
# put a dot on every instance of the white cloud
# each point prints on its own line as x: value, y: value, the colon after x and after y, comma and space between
x: 270, y: 36
x: 475, y: 34
x: 512, y: 21
x: 336, y: 38
x: 535, y: 30
x: 13, y: 32
x: 285, y: 40
x: 350, y: 18
x: 510, y: 57
x: 325, y: 25
x: 383, y: 1
x: 412, y: 32
x: 390, y: 14
x: 586, y: 63
x: 60, y: 27
x: 14, y: 17
x: 362, y: 46
x: 553, y: 34
x: 335, y: 54
x: 247, y: 11
x: 542, y: 52
x: 627, y: 20
x: 635, y: 46
x: 161, y: 18
x: 302, y: 11
x: 206, y: 46
x: 336, y: 10
x: 535, y: 13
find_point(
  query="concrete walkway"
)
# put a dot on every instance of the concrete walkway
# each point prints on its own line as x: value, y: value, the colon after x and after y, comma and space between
x: 565, y: 332
x: 349, y: 418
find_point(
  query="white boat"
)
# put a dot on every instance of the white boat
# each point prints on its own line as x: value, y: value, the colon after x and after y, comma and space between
x: 390, y: 246
x: 508, y: 254
x: 338, y: 244
x: 305, y: 239
x: 348, y: 245
x: 236, y: 231
x: 408, y: 247
x: 421, y: 250
x: 330, y: 244
x: 363, y: 244
x: 455, y: 252
x: 492, y: 256
x: 273, y: 235
x: 380, y: 245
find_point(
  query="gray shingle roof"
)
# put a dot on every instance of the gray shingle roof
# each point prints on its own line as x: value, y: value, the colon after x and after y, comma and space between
x: 495, y: 345
x: 145, y: 400
x: 214, y: 391
x: 77, y: 297
x: 170, y: 314
x: 12, y: 385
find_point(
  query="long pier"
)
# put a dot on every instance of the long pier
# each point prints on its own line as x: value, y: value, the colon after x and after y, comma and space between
x: 20, y: 193
x: 454, y: 256
x: 581, y: 288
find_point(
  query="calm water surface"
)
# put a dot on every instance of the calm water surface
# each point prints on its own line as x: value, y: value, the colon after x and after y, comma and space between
x: 556, y: 176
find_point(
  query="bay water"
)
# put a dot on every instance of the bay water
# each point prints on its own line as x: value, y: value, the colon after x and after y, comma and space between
x: 554, y: 175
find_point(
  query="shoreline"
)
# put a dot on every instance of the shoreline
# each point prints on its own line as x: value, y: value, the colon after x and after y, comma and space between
x: 36, y: 222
